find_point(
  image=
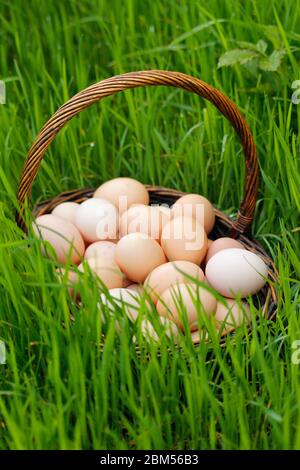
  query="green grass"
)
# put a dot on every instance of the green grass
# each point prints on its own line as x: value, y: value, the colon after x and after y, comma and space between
x: 59, y: 388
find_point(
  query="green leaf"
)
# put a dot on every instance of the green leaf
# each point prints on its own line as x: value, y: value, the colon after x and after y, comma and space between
x: 236, y: 56
x: 272, y: 63
x: 261, y: 46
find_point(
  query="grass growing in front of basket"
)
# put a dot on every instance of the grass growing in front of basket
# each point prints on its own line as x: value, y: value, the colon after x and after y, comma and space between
x: 59, y: 388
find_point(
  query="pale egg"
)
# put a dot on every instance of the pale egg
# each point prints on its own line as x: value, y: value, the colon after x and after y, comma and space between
x: 66, y: 210
x: 233, y: 314
x: 236, y: 272
x: 62, y: 235
x: 123, y: 192
x: 97, y: 219
x: 199, y: 336
x: 220, y: 244
x: 107, y: 271
x: 137, y: 255
x: 187, y: 298
x: 198, y: 207
x: 168, y: 274
x: 184, y: 238
x: 144, y: 219
x: 168, y: 328
x: 102, y: 249
x: 126, y: 299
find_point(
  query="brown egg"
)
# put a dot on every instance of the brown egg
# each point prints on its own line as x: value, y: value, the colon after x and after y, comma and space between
x: 66, y: 210
x: 143, y: 219
x: 183, y: 238
x: 123, y: 192
x: 103, y: 249
x: 194, y: 205
x: 221, y: 244
x: 62, y: 235
x: 194, y: 300
x: 107, y: 271
x: 137, y: 255
x: 233, y: 314
x: 168, y: 274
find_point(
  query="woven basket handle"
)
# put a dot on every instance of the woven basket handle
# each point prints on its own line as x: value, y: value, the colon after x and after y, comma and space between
x: 119, y: 83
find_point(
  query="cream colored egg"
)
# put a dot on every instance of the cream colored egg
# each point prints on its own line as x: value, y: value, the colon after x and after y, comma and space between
x: 97, y: 219
x: 170, y: 329
x: 137, y: 255
x: 66, y: 210
x: 124, y: 298
x: 186, y: 297
x: 184, y: 238
x: 233, y: 314
x: 199, y: 336
x: 123, y: 192
x: 107, y: 271
x: 222, y: 244
x: 102, y: 249
x: 144, y: 219
x: 62, y: 235
x: 236, y: 272
x: 194, y: 205
x: 168, y: 274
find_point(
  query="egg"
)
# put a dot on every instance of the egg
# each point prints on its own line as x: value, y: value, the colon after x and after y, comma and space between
x: 97, y: 219
x: 66, y: 210
x: 168, y: 328
x: 198, y: 336
x: 222, y: 244
x: 136, y: 287
x: 148, y: 331
x: 184, y: 238
x: 194, y: 299
x: 123, y: 192
x: 107, y: 271
x: 165, y: 275
x: 198, y: 207
x: 62, y: 235
x: 102, y: 249
x: 233, y: 314
x: 137, y: 255
x: 236, y: 272
x: 144, y: 219
x: 124, y: 298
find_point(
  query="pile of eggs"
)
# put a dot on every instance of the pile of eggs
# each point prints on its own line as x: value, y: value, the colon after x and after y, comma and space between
x: 162, y: 252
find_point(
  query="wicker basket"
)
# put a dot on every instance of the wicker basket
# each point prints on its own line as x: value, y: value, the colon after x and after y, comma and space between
x: 238, y: 228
